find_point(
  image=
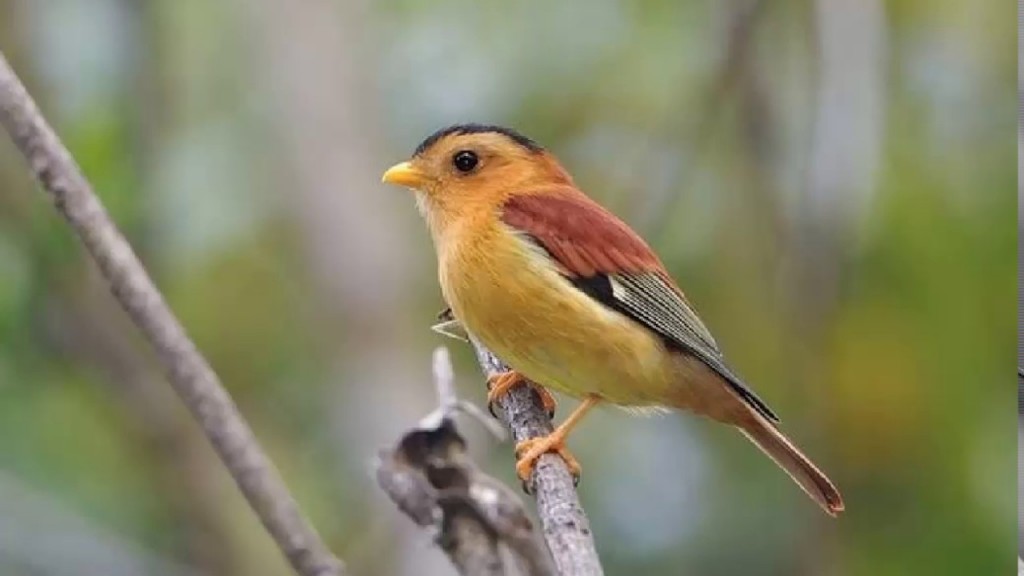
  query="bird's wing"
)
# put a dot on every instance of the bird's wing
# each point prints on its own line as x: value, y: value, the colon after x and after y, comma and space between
x: 609, y: 262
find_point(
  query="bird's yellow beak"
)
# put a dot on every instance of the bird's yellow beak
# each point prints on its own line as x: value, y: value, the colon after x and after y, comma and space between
x: 404, y: 174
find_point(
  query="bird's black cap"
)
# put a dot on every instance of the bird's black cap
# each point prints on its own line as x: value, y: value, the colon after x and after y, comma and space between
x: 478, y: 129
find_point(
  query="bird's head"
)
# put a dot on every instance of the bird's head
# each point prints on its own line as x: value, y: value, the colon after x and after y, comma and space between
x: 472, y: 165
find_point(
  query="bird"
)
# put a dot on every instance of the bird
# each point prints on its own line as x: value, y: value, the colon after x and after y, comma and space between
x: 571, y: 298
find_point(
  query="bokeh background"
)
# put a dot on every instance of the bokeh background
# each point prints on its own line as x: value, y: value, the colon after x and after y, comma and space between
x: 830, y: 180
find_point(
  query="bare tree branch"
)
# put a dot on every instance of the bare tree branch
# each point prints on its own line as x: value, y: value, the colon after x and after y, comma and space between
x: 565, y: 524
x: 432, y: 480
x: 188, y: 372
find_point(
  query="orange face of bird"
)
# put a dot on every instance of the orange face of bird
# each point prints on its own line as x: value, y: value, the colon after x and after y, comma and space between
x: 473, y: 164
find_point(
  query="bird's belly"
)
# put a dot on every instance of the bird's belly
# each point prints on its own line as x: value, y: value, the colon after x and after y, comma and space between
x: 554, y: 334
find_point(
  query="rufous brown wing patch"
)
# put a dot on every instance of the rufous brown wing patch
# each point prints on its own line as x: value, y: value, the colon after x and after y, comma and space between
x: 606, y: 260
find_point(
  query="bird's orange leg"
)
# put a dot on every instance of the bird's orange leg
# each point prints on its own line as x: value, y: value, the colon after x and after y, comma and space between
x: 528, y: 451
x: 499, y: 384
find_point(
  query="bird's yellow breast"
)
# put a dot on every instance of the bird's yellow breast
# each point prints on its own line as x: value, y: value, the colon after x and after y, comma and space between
x: 509, y: 294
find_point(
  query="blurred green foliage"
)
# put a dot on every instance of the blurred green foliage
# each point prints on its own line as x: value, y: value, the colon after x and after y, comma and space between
x: 841, y: 213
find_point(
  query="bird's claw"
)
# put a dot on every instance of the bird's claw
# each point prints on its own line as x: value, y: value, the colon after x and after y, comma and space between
x: 499, y: 384
x: 526, y: 487
x: 546, y: 400
x: 528, y: 451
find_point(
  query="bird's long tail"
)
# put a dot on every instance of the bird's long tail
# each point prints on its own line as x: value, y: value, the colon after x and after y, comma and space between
x: 775, y: 444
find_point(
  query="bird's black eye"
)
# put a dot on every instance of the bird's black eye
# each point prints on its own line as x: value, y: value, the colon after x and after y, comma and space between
x: 465, y: 161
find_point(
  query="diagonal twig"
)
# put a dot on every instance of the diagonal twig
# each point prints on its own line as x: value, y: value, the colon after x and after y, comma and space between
x: 187, y: 371
x: 449, y: 403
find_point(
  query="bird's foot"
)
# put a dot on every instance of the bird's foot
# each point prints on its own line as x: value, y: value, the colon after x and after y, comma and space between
x: 528, y: 451
x: 499, y: 384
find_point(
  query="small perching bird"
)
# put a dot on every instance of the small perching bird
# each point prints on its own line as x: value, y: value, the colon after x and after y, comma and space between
x: 571, y: 298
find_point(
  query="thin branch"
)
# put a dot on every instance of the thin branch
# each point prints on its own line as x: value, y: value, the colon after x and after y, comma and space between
x: 188, y: 372
x: 449, y: 403
x: 431, y: 478
x: 562, y: 517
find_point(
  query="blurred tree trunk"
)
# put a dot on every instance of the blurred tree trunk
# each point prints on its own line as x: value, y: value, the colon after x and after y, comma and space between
x: 845, y: 146
x: 845, y: 151
x: 318, y: 56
